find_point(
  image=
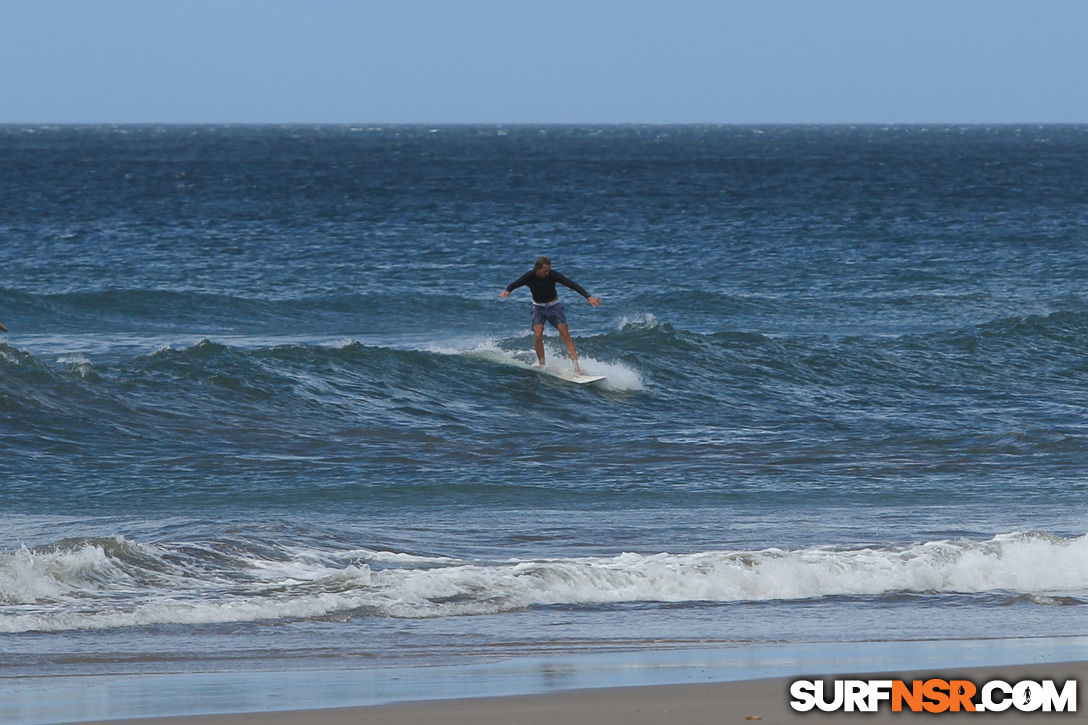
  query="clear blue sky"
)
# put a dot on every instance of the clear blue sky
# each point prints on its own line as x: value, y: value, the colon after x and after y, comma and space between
x: 543, y: 61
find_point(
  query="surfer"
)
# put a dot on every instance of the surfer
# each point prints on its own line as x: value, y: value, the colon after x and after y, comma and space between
x: 2, y: 328
x: 541, y: 280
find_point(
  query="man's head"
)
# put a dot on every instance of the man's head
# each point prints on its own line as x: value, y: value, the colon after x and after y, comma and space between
x: 542, y: 267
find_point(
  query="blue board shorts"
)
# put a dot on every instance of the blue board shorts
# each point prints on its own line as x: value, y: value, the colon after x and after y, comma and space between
x: 551, y: 312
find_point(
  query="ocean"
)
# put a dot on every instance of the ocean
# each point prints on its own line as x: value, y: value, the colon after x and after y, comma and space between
x: 262, y: 407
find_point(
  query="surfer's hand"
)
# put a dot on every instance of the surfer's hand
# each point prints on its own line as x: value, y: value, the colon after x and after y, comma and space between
x: 594, y: 301
x: 504, y: 294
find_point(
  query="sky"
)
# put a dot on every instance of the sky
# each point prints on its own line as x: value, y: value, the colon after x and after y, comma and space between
x: 543, y: 61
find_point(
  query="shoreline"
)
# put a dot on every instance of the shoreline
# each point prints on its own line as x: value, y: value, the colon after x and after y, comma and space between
x: 744, y: 677
x: 765, y: 701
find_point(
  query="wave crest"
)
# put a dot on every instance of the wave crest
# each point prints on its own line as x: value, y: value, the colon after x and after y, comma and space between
x: 104, y: 583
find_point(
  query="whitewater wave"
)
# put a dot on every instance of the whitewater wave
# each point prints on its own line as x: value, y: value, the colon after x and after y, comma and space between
x: 116, y: 582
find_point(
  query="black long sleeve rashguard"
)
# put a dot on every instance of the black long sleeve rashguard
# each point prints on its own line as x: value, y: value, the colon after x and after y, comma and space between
x: 543, y: 289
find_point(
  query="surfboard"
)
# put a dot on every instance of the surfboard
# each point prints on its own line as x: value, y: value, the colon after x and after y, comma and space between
x: 570, y: 376
x: 552, y: 369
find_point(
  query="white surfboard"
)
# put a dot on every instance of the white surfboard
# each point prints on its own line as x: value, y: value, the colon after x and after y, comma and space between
x: 554, y: 370
x: 570, y: 375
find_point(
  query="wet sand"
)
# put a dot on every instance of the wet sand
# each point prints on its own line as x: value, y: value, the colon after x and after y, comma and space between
x: 765, y: 701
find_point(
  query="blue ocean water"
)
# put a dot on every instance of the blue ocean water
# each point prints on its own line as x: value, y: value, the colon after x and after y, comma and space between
x: 261, y: 406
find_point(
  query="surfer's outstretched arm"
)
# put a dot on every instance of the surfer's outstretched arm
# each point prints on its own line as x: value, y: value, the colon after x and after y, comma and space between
x: 2, y: 328
x: 519, y: 282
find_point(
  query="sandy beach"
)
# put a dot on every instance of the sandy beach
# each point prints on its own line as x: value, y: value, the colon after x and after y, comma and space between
x: 765, y: 701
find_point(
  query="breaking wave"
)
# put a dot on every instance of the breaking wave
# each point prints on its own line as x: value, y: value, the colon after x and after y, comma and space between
x: 115, y: 582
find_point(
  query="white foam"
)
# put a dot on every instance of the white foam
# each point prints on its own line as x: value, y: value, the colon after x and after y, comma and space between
x: 101, y: 586
x: 395, y: 557
x: 79, y: 364
x: 1014, y: 563
x: 618, y: 376
x: 9, y: 355
x: 30, y: 576
x: 643, y: 320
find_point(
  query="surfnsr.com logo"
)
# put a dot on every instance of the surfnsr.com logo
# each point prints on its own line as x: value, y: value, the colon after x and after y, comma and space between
x: 933, y: 695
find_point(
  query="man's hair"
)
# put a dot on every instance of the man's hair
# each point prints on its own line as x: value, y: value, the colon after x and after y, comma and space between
x: 541, y: 261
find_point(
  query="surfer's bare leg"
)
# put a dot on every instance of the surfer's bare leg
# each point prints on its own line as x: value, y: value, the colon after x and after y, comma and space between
x: 564, y: 332
x: 538, y: 341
